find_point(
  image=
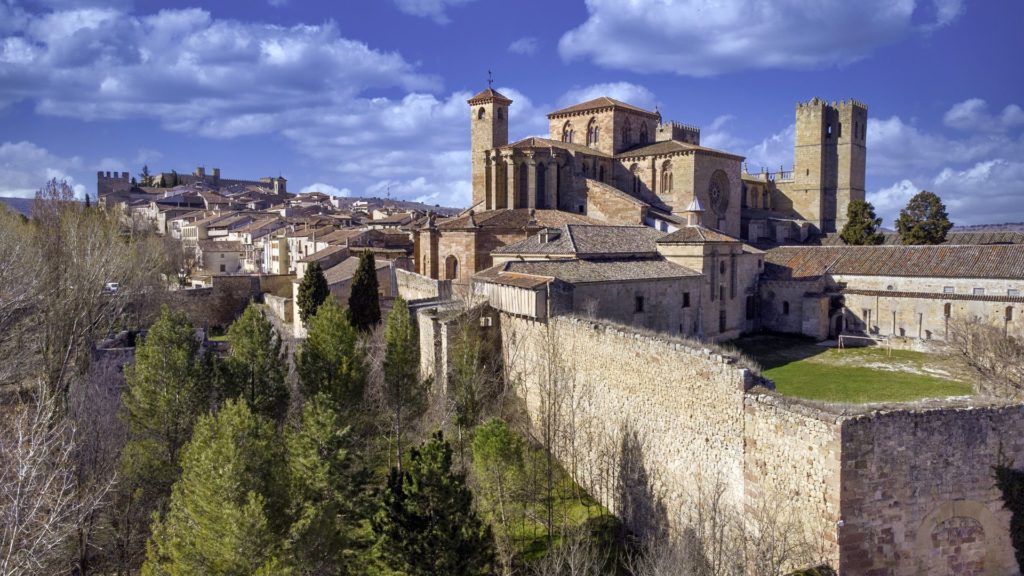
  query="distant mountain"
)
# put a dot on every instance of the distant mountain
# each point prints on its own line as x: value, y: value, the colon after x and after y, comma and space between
x: 22, y: 205
x: 1007, y: 227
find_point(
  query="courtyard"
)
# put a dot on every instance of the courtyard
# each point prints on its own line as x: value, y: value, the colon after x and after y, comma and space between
x: 803, y: 368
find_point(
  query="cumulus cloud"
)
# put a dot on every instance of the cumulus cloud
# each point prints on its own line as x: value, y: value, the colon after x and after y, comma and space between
x: 772, y: 152
x: 634, y: 94
x: 189, y: 71
x: 973, y: 115
x: 26, y: 167
x: 433, y: 9
x: 527, y: 46
x: 326, y: 189
x: 708, y: 37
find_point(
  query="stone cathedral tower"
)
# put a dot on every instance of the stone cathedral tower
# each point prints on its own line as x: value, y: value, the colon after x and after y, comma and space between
x: 829, y: 160
x: 489, y: 118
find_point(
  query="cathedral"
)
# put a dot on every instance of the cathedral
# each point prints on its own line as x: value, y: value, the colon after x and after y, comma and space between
x: 620, y: 164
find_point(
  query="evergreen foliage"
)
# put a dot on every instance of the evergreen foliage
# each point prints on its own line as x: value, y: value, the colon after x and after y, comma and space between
x: 228, y: 511
x: 426, y: 523
x: 331, y: 361
x: 165, y: 393
x: 313, y: 291
x: 404, y: 394
x: 499, y: 459
x: 862, y: 225
x: 257, y: 364
x: 328, y: 492
x: 364, y: 300
x: 924, y: 220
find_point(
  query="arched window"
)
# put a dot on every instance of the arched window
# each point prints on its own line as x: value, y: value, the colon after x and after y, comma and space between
x: 634, y: 170
x: 567, y: 134
x: 500, y: 113
x: 666, y: 176
x: 643, y: 133
x: 592, y: 132
x: 626, y: 134
x: 542, y: 184
x: 522, y: 196
x: 481, y: 113
x: 451, y: 268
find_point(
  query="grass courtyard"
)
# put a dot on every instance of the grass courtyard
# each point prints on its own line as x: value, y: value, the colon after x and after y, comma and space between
x: 802, y: 368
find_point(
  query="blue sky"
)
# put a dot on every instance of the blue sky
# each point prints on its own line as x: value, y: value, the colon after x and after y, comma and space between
x: 356, y: 97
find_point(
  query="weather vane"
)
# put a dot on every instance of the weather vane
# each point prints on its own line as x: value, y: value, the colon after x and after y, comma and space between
x: 490, y: 79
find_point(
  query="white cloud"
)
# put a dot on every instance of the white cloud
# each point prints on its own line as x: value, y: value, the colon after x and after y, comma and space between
x: 527, y: 46
x: 634, y: 94
x: 773, y: 152
x: 326, y: 189
x: 277, y: 3
x: 433, y: 9
x: 708, y: 37
x: 972, y: 115
x: 26, y: 167
x: 716, y: 135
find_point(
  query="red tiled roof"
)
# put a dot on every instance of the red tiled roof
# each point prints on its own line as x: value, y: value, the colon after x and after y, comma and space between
x: 600, y: 102
x: 488, y: 94
x: 943, y: 261
x: 515, y: 218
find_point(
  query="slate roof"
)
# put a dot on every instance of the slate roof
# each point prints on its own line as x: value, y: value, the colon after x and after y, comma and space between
x: 514, y: 218
x: 583, y: 240
x: 601, y: 102
x: 996, y: 261
x: 696, y: 235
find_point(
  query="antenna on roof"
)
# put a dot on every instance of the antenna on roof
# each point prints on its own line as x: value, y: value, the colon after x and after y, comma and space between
x: 490, y: 79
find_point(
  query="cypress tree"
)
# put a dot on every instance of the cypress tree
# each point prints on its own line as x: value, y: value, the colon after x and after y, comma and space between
x: 404, y: 394
x: 364, y: 301
x: 924, y: 220
x: 331, y: 361
x: 313, y: 291
x: 228, y: 512
x: 257, y: 365
x: 426, y: 524
x: 861, y: 225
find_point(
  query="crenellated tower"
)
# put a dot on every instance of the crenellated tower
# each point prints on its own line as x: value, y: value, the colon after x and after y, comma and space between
x: 489, y: 122
x: 828, y: 161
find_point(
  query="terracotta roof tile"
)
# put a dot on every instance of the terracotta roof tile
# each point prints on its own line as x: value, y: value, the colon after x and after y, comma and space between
x: 517, y: 218
x: 586, y: 240
x: 994, y: 261
x: 601, y: 102
x: 696, y: 235
x: 574, y: 271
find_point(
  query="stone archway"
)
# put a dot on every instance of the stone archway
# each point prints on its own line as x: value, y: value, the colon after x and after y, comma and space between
x: 962, y: 537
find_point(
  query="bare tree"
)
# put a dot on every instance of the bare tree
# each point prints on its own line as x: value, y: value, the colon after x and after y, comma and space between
x: 996, y: 358
x: 41, y: 505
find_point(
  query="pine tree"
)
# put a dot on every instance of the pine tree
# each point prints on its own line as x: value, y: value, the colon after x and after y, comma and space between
x: 228, y: 512
x: 88, y: 202
x: 165, y: 393
x: 924, y: 220
x: 498, y: 458
x: 145, y: 177
x: 328, y: 492
x: 331, y: 361
x: 313, y: 291
x: 257, y: 365
x: 426, y: 524
x: 404, y: 393
x: 364, y: 301
x: 862, y: 225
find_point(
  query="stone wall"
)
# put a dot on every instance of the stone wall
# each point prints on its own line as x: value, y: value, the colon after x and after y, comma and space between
x: 918, y: 495
x: 412, y: 286
x: 629, y: 432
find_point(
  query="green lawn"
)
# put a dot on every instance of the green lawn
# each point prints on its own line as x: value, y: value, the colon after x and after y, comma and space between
x: 220, y: 338
x: 802, y: 368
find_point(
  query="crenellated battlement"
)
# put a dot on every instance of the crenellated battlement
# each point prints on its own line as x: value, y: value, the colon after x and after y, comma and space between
x: 840, y: 104
x: 678, y: 131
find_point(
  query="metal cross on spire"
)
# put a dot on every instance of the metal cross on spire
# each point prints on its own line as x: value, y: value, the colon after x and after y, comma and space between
x: 490, y: 79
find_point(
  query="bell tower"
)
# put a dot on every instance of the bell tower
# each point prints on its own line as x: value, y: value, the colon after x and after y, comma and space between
x: 489, y: 130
